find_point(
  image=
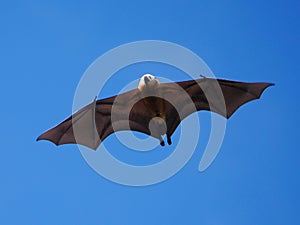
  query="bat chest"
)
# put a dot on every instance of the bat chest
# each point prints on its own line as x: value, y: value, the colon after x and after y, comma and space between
x: 155, y: 106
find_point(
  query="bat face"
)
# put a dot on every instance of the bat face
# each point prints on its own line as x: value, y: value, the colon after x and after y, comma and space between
x: 148, y: 82
x: 146, y: 110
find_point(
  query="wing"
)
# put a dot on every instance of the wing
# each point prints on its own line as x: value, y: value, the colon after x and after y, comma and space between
x: 96, y: 121
x: 217, y: 95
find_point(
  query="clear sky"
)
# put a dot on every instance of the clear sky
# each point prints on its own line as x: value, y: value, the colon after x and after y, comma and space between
x: 47, y: 45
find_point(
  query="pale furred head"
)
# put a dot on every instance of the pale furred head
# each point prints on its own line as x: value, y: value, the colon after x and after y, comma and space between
x: 147, y: 81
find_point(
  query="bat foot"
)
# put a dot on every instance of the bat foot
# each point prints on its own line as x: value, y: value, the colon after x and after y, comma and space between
x: 169, y: 140
x: 162, y: 143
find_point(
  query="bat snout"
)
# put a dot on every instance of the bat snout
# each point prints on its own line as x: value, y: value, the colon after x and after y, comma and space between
x: 146, y: 79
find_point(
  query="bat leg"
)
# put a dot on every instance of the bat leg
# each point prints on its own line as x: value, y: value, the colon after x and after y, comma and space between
x: 162, y: 142
x: 169, y: 140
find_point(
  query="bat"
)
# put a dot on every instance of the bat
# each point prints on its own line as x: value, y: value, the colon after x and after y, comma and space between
x: 153, y: 108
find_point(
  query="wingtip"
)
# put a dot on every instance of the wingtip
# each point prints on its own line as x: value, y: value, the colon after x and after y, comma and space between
x: 266, y: 86
x: 39, y: 138
x: 42, y: 137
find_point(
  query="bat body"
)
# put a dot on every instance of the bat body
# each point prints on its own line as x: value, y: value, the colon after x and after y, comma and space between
x: 149, y: 88
x: 153, y: 108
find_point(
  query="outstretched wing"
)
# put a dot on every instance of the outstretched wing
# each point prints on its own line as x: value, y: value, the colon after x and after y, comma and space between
x: 217, y: 95
x: 93, y: 123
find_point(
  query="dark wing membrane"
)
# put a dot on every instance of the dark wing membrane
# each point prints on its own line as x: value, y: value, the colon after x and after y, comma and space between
x: 83, y: 124
x: 89, y: 133
x: 238, y: 93
x: 220, y: 96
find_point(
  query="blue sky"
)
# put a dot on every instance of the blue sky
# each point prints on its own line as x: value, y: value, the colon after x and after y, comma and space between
x: 47, y: 45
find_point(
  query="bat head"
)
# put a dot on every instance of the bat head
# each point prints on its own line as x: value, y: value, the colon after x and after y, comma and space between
x: 148, y: 81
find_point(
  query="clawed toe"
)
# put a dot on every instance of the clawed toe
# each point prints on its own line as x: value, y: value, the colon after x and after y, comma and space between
x: 169, y: 140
